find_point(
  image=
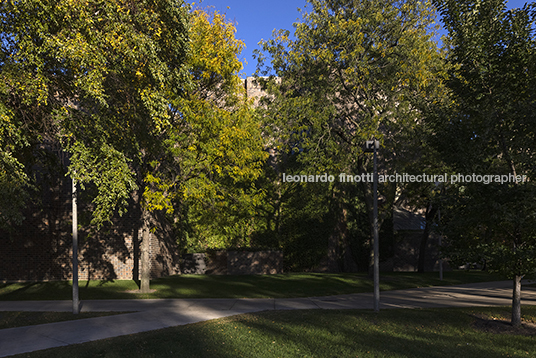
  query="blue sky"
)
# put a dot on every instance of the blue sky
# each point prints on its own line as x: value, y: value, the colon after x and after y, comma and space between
x: 255, y: 20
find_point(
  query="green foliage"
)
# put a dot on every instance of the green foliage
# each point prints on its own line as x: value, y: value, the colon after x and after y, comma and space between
x: 108, y: 169
x: 144, y: 96
x: 13, y: 191
x: 355, y: 67
x: 13, y: 178
x: 304, y: 224
x: 212, y: 153
x: 491, y: 131
x: 353, y: 71
x: 491, y: 225
x: 99, y: 76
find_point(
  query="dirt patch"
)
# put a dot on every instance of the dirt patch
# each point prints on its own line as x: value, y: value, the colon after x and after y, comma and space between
x: 499, y: 326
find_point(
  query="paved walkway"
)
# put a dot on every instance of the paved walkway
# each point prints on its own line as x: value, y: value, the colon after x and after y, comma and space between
x: 161, y: 313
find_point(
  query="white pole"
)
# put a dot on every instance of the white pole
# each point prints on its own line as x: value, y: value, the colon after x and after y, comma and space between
x: 440, y: 259
x: 76, y: 301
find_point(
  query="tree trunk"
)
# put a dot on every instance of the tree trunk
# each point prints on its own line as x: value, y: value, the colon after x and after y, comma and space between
x: 136, y: 241
x: 429, y: 217
x: 516, y: 302
x: 349, y: 264
x: 422, y: 249
x: 332, y: 259
x: 145, y: 261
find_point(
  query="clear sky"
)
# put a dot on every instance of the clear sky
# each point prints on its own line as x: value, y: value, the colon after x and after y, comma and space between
x: 256, y: 19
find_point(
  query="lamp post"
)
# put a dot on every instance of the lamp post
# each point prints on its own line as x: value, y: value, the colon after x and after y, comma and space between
x: 76, y: 301
x: 437, y: 184
x: 373, y: 146
x: 439, y: 243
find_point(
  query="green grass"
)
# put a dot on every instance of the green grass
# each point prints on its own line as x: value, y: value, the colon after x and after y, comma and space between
x: 430, y: 333
x: 251, y: 286
x: 19, y: 319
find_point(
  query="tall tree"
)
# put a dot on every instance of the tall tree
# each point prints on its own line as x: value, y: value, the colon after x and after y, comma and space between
x: 147, y: 99
x: 101, y: 77
x: 214, y: 153
x: 491, y: 131
x: 353, y: 70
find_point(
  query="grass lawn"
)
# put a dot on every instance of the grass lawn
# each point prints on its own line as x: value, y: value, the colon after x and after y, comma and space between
x: 251, y: 286
x: 430, y: 333
x: 20, y: 319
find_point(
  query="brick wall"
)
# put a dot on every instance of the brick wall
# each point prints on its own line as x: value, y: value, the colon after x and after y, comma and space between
x: 234, y: 263
x: 41, y: 248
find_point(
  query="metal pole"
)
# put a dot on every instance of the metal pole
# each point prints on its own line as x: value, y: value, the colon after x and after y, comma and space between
x: 376, y: 239
x: 76, y: 302
x: 440, y: 259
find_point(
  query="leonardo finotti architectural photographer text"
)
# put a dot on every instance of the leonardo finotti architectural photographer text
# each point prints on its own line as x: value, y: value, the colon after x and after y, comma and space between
x: 406, y: 178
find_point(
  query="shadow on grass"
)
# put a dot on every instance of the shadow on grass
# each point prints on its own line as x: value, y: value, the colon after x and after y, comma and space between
x: 36, y: 290
x: 62, y: 290
x: 438, y: 333
x: 407, y: 333
x: 273, y: 286
x: 251, y: 286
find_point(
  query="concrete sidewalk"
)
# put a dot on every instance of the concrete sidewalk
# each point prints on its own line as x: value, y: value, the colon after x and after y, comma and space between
x: 162, y: 313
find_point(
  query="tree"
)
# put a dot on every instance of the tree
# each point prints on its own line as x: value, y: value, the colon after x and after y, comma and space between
x: 353, y: 71
x: 213, y: 154
x: 102, y: 78
x: 14, y: 180
x: 491, y: 131
x: 146, y: 98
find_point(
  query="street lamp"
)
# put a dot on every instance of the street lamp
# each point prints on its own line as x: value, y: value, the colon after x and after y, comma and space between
x: 76, y: 300
x: 372, y: 146
x: 439, y: 244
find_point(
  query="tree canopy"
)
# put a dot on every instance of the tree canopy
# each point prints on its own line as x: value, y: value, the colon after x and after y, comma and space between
x: 491, y: 131
x: 214, y: 151
x: 354, y: 70
x: 146, y: 98
x: 100, y: 77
